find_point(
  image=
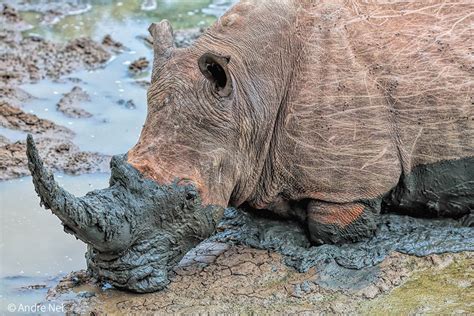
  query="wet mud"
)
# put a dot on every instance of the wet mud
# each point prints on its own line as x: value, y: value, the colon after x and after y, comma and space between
x: 70, y: 103
x: 61, y: 155
x: 354, y: 262
x: 226, y: 278
x: 136, y: 230
x: 27, y: 59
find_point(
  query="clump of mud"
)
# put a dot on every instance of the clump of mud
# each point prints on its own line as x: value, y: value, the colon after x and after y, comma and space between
x: 138, y: 66
x: 14, y: 118
x: 114, y: 45
x: 69, y: 104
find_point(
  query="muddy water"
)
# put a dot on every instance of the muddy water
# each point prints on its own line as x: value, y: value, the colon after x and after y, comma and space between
x: 34, y: 250
x: 35, y: 253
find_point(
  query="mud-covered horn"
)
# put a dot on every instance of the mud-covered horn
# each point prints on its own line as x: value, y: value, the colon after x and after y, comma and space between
x: 84, y: 217
x: 163, y: 43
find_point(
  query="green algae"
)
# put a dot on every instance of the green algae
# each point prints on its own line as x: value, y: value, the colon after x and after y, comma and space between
x: 436, y: 291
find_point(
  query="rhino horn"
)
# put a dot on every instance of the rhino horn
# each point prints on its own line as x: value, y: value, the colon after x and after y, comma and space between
x: 163, y: 42
x: 89, y: 218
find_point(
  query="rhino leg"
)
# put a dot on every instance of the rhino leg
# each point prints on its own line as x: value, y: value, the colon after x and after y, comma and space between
x: 334, y: 223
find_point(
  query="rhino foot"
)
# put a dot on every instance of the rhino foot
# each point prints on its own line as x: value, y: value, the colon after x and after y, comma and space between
x: 333, y: 223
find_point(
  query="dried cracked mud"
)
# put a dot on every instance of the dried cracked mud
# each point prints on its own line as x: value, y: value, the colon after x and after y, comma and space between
x: 222, y: 278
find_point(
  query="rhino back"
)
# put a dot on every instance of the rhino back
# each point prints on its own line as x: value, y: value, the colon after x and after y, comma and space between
x: 379, y: 89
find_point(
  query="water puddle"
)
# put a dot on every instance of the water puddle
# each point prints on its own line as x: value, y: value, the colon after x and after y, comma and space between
x: 34, y: 250
x: 113, y: 127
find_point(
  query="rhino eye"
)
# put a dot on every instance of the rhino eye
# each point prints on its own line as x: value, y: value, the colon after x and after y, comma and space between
x: 214, y: 68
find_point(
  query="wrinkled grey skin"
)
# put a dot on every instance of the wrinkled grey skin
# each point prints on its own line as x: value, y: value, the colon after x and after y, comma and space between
x: 136, y: 230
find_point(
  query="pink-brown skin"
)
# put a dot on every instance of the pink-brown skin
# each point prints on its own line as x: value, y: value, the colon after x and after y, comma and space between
x: 330, y: 101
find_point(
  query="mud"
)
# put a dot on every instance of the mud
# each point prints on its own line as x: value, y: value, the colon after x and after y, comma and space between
x: 138, y: 66
x: 114, y: 45
x: 34, y: 58
x: 136, y: 230
x: 26, y: 59
x: 70, y: 103
x: 223, y: 278
x: 14, y: 118
x: 413, y: 236
x: 443, y: 189
x: 60, y: 155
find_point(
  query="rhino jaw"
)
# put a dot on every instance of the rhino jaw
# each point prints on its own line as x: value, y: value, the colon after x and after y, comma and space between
x: 136, y: 230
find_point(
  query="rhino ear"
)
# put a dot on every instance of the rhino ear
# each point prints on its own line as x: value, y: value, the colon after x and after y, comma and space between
x: 214, y: 68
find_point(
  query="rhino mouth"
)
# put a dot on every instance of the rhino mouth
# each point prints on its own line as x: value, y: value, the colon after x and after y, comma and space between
x: 136, y: 230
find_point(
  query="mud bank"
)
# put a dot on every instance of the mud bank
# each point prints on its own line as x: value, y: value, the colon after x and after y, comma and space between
x: 30, y: 59
x: 61, y: 155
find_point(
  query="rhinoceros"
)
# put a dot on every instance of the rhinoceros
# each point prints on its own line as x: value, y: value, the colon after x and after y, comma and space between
x: 324, y: 112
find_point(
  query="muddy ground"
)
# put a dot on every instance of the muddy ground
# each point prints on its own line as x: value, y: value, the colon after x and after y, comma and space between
x: 222, y: 278
x: 30, y: 59
x: 216, y: 276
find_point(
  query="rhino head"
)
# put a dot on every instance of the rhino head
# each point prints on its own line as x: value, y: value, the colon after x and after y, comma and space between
x: 169, y: 191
